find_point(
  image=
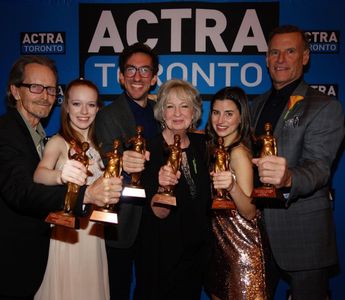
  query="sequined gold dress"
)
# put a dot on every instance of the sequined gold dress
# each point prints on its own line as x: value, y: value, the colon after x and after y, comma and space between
x: 237, y: 266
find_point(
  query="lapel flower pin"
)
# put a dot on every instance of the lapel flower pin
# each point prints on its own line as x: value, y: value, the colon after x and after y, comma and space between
x: 292, y: 102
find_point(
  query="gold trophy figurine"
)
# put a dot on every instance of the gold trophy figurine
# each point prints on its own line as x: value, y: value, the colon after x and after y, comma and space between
x: 138, y: 145
x: 114, y: 168
x: 221, y: 199
x: 66, y: 217
x: 268, y: 147
x: 166, y: 194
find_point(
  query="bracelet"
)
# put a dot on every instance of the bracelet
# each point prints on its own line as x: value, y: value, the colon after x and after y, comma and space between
x: 233, y: 181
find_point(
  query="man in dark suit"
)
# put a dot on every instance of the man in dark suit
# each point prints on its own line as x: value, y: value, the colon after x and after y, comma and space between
x: 138, y: 74
x: 308, y: 127
x: 24, y: 235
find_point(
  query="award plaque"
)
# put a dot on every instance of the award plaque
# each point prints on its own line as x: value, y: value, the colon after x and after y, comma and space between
x: 135, y: 189
x: 166, y: 195
x: 221, y: 198
x: 107, y: 213
x: 268, y: 147
x: 265, y: 191
x: 66, y: 217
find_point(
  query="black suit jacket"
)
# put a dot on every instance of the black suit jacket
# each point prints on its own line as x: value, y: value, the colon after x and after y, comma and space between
x: 24, y: 205
x: 301, y: 232
x: 116, y: 121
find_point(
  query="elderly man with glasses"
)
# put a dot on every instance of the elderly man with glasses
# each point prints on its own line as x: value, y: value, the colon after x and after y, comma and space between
x: 24, y: 235
x: 138, y: 74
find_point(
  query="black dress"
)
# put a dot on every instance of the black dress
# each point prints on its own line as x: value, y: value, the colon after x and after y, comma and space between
x: 174, y: 251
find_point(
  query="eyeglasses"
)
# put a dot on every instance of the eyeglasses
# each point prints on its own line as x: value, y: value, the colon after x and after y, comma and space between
x: 39, y: 88
x: 144, y: 71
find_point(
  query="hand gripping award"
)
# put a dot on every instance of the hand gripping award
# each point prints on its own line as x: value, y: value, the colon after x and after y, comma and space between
x: 107, y: 213
x: 66, y: 217
x: 221, y: 198
x: 166, y: 194
x: 135, y: 189
x: 268, y: 147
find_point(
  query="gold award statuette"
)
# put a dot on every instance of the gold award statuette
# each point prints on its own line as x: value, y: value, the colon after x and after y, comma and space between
x: 135, y: 189
x: 166, y: 195
x: 221, y: 198
x: 107, y: 213
x: 66, y: 217
x: 268, y: 147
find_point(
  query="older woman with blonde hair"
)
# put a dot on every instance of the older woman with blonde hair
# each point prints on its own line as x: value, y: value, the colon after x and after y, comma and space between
x: 175, y: 239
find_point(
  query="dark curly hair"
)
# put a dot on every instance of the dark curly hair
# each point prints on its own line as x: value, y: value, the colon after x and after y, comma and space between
x: 138, y: 48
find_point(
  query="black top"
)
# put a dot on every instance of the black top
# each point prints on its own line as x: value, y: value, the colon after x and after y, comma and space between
x: 175, y: 250
x: 274, y: 106
x: 271, y: 113
x: 144, y: 117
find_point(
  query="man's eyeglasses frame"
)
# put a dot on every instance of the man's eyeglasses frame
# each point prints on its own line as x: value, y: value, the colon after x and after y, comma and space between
x: 144, y: 71
x: 36, y: 88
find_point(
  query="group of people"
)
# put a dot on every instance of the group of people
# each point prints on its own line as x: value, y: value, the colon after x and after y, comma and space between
x: 177, y: 249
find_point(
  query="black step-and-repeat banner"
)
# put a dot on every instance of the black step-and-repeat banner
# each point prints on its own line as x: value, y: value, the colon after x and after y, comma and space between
x: 212, y: 44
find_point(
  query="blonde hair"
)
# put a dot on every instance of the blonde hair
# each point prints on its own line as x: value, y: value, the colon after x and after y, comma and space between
x: 184, y: 90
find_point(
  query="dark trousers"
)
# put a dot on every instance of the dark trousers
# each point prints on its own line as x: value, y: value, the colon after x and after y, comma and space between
x: 120, y: 267
x: 304, y: 285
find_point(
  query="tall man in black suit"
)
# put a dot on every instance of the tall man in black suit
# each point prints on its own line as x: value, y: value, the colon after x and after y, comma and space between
x: 138, y: 74
x: 300, y: 229
x: 24, y: 204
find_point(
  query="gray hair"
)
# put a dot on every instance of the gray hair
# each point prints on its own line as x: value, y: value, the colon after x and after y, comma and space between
x: 16, y: 75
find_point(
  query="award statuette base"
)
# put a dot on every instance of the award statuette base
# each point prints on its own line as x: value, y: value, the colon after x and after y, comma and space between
x: 163, y: 198
x: 104, y: 215
x: 220, y: 203
x: 131, y: 191
x: 268, y: 191
x: 64, y: 219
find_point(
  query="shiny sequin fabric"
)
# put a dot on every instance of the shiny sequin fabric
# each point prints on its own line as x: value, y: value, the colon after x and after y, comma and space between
x: 237, y: 266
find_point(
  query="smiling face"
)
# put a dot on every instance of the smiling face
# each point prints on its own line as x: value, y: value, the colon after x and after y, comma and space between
x: 35, y: 106
x: 138, y: 87
x: 178, y: 112
x: 225, y: 119
x: 82, y: 108
x: 286, y: 58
